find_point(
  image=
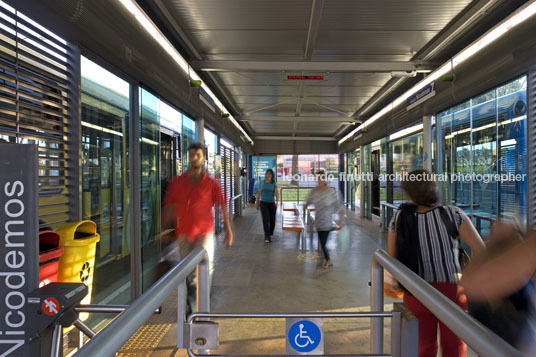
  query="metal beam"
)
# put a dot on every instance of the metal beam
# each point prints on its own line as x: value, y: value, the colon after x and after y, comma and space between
x: 298, y: 109
x: 300, y: 119
x: 314, y: 24
x: 301, y: 138
x: 167, y: 15
x: 349, y: 114
x: 469, y: 17
x: 316, y: 66
x: 265, y: 107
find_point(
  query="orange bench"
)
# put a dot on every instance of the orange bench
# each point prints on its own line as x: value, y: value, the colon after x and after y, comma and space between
x: 290, y: 207
x: 295, y: 224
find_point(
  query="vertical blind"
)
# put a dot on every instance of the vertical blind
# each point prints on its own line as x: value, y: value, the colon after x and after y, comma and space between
x: 227, y: 179
x: 34, y: 107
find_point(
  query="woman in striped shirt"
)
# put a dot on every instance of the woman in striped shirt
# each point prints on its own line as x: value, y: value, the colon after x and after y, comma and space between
x: 419, y: 237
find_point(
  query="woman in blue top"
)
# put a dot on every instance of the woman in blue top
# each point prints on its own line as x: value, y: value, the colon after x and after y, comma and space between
x: 267, y: 203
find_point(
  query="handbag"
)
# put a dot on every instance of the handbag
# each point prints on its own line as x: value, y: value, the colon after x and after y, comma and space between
x: 506, y: 317
x: 463, y: 257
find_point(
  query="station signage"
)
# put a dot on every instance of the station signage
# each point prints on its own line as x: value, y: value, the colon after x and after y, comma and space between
x: 19, y: 250
x: 421, y: 96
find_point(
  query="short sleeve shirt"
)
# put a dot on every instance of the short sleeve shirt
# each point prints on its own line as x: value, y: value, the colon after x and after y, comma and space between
x: 439, y: 252
x: 193, y: 205
x: 268, y: 191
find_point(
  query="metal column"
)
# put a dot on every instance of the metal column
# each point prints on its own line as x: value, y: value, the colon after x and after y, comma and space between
x: 376, y: 301
x: 200, y: 130
x: 531, y: 147
x: 135, y: 188
x: 427, y: 141
x: 74, y: 158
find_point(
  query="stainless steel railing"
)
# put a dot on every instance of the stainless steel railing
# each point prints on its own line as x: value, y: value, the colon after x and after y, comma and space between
x: 400, y: 326
x: 297, y: 189
x: 384, y: 221
x: 117, y: 333
x: 483, y: 341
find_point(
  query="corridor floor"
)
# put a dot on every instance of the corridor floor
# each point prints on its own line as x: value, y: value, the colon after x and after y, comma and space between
x: 257, y: 277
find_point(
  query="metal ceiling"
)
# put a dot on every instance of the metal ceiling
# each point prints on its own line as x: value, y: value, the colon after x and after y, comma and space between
x: 368, y: 38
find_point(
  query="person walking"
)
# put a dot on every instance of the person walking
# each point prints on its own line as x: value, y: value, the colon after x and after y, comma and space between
x: 187, y: 207
x: 326, y: 203
x: 267, y: 198
x: 419, y: 237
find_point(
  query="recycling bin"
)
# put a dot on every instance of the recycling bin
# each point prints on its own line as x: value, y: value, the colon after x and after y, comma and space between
x: 49, y: 257
x: 77, y: 264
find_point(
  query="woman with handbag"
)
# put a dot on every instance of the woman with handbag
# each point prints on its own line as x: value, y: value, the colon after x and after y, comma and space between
x: 268, y: 205
x: 421, y: 237
x: 327, y: 203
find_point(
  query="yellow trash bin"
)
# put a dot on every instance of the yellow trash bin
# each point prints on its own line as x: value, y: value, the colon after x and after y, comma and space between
x: 77, y: 264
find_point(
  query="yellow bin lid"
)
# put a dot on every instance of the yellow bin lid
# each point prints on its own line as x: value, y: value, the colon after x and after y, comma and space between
x: 78, y: 233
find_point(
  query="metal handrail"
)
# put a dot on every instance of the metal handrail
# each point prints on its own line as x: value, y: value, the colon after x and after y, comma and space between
x: 292, y: 188
x: 305, y: 315
x: 116, y: 334
x: 231, y: 202
x: 482, y: 340
x: 383, y: 217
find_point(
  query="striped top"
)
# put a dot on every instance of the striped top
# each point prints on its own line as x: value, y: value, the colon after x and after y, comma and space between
x: 438, y: 260
x: 327, y: 203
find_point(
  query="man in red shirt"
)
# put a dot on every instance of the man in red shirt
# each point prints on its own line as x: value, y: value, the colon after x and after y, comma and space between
x: 188, y: 206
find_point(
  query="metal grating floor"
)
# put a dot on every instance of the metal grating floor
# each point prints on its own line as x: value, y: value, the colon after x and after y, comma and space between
x: 144, y: 341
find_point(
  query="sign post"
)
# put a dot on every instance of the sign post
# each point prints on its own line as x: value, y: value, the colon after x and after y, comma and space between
x: 19, y: 250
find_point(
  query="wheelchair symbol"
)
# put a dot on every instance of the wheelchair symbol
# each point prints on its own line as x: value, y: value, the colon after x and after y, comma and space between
x: 304, y: 336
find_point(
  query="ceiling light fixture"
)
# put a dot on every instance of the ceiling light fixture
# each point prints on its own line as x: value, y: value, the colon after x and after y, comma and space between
x: 523, y: 13
x: 155, y: 33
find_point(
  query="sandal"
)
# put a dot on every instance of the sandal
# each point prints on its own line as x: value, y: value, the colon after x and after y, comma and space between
x: 327, y: 264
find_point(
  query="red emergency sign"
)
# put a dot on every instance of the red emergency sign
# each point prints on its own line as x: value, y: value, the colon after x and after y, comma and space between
x: 51, y: 306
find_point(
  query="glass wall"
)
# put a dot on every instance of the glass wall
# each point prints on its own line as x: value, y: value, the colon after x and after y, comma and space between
x: 482, y: 137
x: 351, y: 181
x: 366, y: 170
x: 188, y: 137
x: 406, y: 155
x: 358, y: 181
x: 105, y: 184
x: 170, y: 150
x: 211, y: 142
x: 150, y: 185
x: 305, y: 165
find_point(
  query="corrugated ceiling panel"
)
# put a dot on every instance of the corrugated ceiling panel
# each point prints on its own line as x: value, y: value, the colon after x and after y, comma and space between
x: 258, y: 41
x: 264, y: 90
x: 389, y: 14
x: 242, y: 14
x: 373, y: 42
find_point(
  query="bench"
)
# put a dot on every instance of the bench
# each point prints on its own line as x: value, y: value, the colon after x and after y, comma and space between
x: 491, y: 218
x: 290, y: 207
x: 294, y: 224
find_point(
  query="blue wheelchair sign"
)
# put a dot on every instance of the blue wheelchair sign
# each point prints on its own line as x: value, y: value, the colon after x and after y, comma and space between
x: 304, y: 336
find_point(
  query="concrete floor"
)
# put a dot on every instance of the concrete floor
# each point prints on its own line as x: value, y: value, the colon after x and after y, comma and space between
x: 257, y: 277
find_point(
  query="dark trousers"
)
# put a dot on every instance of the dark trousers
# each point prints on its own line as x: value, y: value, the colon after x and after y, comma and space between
x: 268, y: 210
x: 323, y: 238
